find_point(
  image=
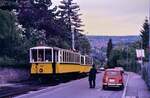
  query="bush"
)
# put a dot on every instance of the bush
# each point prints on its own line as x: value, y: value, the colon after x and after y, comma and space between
x: 10, y: 62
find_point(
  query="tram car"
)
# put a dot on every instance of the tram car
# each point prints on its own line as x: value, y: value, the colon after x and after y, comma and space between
x: 50, y: 61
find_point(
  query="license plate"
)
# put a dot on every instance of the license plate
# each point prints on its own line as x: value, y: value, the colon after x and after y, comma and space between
x: 111, y: 80
x: 110, y: 84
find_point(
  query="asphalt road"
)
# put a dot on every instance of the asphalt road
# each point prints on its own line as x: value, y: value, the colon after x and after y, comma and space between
x: 136, y: 88
x: 76, y: 89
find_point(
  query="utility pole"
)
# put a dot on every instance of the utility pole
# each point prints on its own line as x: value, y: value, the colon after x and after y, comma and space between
x: 71, y: 28
x: 73, y: 38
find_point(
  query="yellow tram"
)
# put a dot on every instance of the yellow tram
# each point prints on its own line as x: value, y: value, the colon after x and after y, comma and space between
x: 51, y: 60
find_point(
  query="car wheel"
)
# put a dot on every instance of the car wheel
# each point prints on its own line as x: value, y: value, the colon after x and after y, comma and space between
x: 104, y: 87
x: 122, y: 87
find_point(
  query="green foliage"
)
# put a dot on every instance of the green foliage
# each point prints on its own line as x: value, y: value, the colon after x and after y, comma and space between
x: 82, y: 44
x: 145, y: 37
x: 109, y: 50
x: 36, y: 21
x: 8, y: 34
x: 10, y: 39
x: 8, y: 5
x: 69, y: 12
x: 124, y: 56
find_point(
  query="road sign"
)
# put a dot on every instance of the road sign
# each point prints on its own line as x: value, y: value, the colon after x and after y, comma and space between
x: 140, y: 53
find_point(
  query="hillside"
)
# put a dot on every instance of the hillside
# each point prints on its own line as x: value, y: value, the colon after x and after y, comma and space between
x: 101, y: 41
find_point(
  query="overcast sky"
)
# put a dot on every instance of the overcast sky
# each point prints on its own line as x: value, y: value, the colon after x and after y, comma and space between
x: 112, y: 17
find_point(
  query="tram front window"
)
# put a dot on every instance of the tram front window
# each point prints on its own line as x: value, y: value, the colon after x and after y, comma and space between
x: 40, y: 55
x: 82, y: 60
x: 48, y: 55
x: 34, y: 55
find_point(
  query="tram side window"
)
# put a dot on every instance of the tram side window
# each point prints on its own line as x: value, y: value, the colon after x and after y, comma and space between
x: 82, y: 60
x: 69, y: 57
x: 48, y: 55
x: 86, y: 60
x: 34, y: 55
x: 40, y: 55
x: 73, y: 58
x: 63, y: 56
x: 56, y: 56
x: 78, y: 58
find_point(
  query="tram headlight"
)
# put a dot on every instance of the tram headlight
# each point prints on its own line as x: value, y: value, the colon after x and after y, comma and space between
x: 40, y: 70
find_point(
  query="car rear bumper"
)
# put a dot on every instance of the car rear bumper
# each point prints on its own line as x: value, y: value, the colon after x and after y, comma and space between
x: 112, y: 85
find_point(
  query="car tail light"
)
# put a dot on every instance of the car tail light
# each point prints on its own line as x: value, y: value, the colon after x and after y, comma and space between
x: 120, y: 80
x: 105, y: 79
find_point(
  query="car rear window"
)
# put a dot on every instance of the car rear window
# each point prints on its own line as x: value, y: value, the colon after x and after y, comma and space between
x: 112, y: 73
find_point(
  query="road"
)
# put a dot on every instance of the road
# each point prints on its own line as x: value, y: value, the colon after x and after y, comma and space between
x: 80, y: 89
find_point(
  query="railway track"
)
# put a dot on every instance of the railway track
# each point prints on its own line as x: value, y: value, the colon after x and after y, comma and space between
x: 26, y: 86
x: 9, y: 92
x: 22, y: 88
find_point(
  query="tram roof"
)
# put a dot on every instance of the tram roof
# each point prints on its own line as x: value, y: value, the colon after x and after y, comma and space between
x: 41, y: 47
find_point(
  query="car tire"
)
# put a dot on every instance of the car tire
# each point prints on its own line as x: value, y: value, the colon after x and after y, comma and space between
x: 122, y: 87
x: 104, y: 87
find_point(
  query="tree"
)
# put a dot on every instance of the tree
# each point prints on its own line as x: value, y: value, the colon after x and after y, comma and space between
x: 69, y: 12
x: 8, y: 5
x: 37, y: 16
x: 82, y: 44
x: 9, y: 38
x: 34, y: 15
x: 145, y: 35
x: 109, y: 49
x: 33, y: 22
x: 124, y: 56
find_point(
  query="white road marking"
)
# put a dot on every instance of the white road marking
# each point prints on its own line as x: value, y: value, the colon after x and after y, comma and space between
x: 125, y: 87
x: 130, y: 97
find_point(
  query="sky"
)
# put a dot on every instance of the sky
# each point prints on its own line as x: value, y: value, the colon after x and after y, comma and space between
x: 112, y: 17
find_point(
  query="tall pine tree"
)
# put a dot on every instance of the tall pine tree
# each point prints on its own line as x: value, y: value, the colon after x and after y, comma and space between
x: 145, y: 34
x: 69, y: 12
x: 145, y: 38
x: 109, y: 49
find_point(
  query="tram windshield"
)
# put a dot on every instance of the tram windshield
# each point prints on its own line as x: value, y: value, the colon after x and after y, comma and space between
x: 34, y: 55
x: 41, y: 55
x: 48, y: 55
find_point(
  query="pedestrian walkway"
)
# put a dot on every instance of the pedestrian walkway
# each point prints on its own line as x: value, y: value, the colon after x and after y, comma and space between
x: 137, y: 87
x: 75, y: 89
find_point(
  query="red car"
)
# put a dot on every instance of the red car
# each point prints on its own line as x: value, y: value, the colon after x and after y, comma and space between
x: 113, y: 78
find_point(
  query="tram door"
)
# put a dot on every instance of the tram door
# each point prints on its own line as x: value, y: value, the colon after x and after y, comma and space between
x: 55, y: 60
